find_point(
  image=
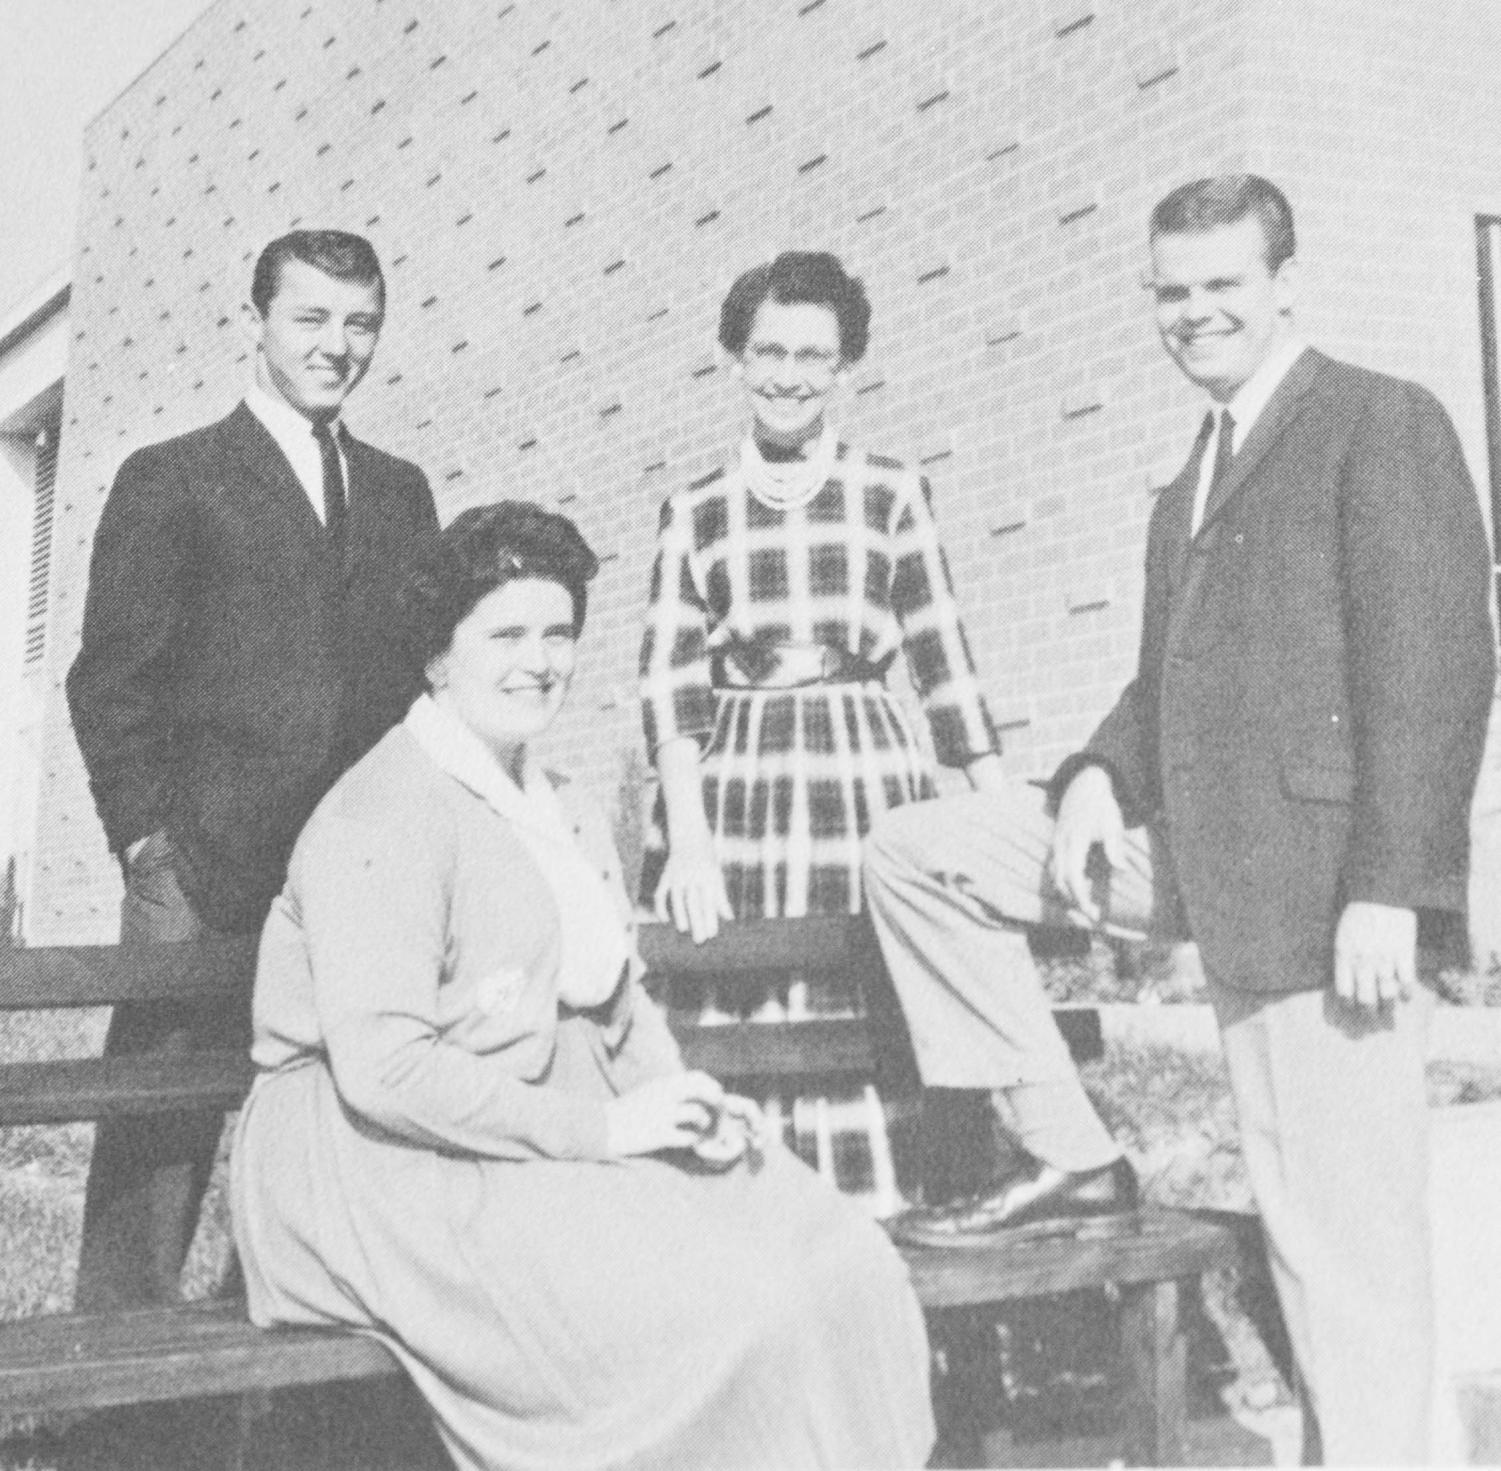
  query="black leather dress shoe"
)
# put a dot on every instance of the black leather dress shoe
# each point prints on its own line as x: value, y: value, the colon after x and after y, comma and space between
x: 1040, y: 1200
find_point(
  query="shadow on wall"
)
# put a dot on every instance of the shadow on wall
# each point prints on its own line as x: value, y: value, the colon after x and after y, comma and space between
x: 633, y: 792
x: 10, y: 905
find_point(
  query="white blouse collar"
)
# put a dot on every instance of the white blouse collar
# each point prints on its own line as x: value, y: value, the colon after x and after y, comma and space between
x: 597, y: 945
x: 465, y: 757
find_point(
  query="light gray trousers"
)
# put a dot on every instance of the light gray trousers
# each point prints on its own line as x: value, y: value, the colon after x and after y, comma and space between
x: 952, y: 887
x: 1331, y: 1104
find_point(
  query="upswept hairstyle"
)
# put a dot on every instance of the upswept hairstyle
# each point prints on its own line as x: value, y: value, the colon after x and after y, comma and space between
x: 482, y: 549
x: 336, y: 253
x: 793, y: 278
x: 1227, y: 199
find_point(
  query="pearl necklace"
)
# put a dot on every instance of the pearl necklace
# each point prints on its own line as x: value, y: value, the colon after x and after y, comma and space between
x: 790, y: 484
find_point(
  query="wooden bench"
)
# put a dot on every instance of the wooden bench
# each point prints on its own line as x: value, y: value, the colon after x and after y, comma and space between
x: 73, y: 1362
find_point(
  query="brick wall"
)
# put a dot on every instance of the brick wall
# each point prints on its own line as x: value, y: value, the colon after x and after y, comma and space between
x: 1390, y: 135
x: 562, y: 194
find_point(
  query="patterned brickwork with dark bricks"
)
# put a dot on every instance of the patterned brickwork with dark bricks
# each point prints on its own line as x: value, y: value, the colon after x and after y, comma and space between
x: 563, y: 192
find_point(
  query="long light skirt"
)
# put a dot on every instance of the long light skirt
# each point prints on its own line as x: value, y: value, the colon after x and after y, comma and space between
x: 575, y: 1315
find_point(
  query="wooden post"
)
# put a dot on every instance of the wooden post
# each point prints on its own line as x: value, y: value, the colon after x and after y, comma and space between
x: 967, y: 1384
x: 252, y: 1417
x: 1155, y: 1360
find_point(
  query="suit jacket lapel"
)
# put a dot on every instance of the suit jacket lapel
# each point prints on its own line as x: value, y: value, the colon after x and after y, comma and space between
x: 263, y: 458
x: 365, y: 491
x: 1283, y: 407
x: 1178, y: 501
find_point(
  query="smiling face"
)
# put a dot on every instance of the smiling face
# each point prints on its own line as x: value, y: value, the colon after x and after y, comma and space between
x: 507, y: 669
x: 1221, y: 309
x: 791, y: 366
x: 315, y: 339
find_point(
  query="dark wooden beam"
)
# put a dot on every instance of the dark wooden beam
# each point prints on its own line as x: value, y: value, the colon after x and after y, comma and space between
x: 99, y: 975
x: 824, y: 1047
x: 818, y: 942
x: 71, y: 1089
x: 73, y: 1362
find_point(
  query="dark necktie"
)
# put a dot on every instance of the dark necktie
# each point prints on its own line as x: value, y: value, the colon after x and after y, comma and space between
x: 1224, y: 451
x: 335, y: 503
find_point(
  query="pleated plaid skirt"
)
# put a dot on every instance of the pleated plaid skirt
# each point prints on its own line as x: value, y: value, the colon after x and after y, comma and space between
x: 792, y: 780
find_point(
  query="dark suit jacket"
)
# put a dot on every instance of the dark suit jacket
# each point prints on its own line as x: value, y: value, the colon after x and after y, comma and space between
x: 1316, y: 671
x: 230, y: 667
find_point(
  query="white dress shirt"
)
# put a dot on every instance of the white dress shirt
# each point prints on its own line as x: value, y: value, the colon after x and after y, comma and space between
x: 294, y: 434
x: 1245, y: 408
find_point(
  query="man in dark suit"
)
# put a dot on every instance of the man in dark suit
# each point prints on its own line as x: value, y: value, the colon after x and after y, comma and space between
x: 242, y: 646
x: 1303, y: 734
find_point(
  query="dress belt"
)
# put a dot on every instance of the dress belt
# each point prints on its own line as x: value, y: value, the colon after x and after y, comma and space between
x: 743, y: 665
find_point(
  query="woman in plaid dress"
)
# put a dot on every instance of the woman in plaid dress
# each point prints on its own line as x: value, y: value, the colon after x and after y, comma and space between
x: 785, y: 586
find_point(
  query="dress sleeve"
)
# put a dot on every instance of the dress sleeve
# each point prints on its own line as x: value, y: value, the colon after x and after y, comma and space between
x: 938, y: 654
x: 374, y: 899
x: 677, y: 696
x: 647, y: 1048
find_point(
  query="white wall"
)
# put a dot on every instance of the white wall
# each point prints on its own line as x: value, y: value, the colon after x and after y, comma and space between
x: 31, y: 374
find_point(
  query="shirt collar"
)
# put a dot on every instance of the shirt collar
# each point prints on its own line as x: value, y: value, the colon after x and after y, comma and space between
x: 284, y: 424
x: 464, y: 756
x: 596, y: 940
x: 1252, y: 397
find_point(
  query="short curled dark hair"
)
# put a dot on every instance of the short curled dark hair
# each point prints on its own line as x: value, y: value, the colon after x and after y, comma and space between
x: 482, y: 549
x: 796, y: 277
x: 1227, y: 199
x: 336, y: 253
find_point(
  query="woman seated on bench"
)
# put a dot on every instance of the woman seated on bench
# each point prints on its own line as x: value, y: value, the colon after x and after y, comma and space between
x: 472, y: 1133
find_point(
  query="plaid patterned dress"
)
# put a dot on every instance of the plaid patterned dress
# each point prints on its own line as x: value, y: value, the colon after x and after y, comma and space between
x: 793, y: 777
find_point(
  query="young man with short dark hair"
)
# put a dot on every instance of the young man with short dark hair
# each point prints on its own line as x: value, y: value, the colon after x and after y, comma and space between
x: 241, y: 647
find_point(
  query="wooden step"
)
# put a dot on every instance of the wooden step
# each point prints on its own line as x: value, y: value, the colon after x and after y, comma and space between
x: 824, y: 1049
x: 79, y: 1362
x: 73, y: 1089
x: 1157, y: 1246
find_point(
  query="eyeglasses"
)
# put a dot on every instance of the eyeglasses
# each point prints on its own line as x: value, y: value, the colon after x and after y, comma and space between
x: 809, y: 359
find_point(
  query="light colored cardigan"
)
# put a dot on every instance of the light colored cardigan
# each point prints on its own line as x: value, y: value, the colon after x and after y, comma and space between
x: 414, y: 951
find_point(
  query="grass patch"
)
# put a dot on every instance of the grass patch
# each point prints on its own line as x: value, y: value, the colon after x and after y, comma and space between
x: 1172, y: 1112
x: 57, y: 1151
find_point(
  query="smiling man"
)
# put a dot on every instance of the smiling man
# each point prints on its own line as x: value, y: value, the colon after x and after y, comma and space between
x: 242, y: 646
x: 1306, y: 726
x: 1297, y: 753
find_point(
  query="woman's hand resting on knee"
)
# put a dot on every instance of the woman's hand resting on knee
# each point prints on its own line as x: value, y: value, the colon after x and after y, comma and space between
x: 684, y: 1111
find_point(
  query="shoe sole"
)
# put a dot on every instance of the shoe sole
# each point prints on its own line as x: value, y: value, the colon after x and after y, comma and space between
x: 1081, y: 1228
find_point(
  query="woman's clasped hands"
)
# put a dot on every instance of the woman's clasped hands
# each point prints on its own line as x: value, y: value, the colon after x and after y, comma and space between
x: 687, y: 1110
